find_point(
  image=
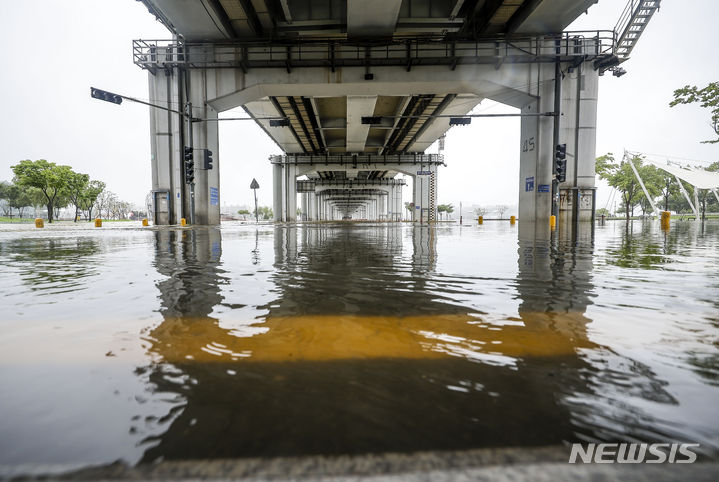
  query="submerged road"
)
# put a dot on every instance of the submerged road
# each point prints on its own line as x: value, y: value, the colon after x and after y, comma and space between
x: 244, y: 342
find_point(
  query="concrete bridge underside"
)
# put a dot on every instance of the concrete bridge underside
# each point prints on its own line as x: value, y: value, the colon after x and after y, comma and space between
x: 360, y: 96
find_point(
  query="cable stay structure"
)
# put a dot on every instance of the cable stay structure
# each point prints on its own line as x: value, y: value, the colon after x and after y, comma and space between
x: 697, y: 177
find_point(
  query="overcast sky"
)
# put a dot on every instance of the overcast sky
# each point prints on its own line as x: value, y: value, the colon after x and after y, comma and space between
x: 54, y: 50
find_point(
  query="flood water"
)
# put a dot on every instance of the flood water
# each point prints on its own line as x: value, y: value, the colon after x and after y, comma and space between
x: 161, y: 344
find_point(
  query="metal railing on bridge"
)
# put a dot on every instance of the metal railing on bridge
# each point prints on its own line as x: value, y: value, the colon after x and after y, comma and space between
x: 354, y: 160
x: 309, y: 185
x: 402, y: 52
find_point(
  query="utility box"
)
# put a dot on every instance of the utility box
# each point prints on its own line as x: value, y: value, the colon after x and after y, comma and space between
x: 161, y: 207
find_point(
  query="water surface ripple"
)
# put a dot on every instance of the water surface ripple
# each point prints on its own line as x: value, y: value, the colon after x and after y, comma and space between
x: 146, y: 345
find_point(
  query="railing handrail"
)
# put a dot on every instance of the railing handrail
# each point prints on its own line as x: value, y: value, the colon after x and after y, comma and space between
x: 430, y: 50
x: 395, y: 41
x: 626, y: 16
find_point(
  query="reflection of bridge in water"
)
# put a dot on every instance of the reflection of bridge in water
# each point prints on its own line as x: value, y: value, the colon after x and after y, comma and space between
x: 365, y: 348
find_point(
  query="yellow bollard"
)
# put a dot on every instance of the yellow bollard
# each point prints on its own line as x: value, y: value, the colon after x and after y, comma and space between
x: 145, y: 223
x: 39, y: 223
x: 183, y: 222
x: 98, y: 223
x: 480, y: 220
x: 512, y: 219
x: 553, y: 221
x: 666, y: 218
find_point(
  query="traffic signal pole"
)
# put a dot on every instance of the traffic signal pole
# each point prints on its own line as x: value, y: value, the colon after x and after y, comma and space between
x: 190, y: 144
x: 555, y: 134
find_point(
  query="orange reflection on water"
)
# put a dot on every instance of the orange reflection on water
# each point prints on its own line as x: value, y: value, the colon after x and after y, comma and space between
x: 322, y: 338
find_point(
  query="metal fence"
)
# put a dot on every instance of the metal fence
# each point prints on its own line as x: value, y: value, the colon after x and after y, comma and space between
x: 404, y: 52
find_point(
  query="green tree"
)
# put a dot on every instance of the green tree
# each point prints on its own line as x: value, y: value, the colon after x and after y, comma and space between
x: 243, y: 211
x: 669, y: 188
x: 52, y: 180
x: 707, y: 97
x: 621, y: 177
x: 410, y: 209
x: 706, y: 198
x: 89, y: 196
x: 441, y: 209
x: 264, y: 212
x: 21, y: 197
x: 603, y: 212
x: 449, y: 209
x: 76, y: 186
x: 5, y: 195
x: 654, y: 182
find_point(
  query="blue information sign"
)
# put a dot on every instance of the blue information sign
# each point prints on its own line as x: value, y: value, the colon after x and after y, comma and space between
x: 214, y: 196
x: 543, y: 188
x: 529, y: 184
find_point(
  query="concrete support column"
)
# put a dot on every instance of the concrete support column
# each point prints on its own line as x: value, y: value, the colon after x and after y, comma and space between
x: 535, y: 163
x: 304, y: 206
x: 580, y: 90
x: 577, y: 129
x: 390, y: 204
x: 312, y: 206
x: 425, y: 194
x: 277, y: 192
x: 167, y: 133
x: 399, y: 205
x: 289, y: 193
x: 205, y: 136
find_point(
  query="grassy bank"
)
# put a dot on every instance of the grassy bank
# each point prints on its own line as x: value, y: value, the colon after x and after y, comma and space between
x: 4, y: 219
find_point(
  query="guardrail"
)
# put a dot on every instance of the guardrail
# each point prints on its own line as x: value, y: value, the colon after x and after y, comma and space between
x: 404, y: 52
x: 357, y: 159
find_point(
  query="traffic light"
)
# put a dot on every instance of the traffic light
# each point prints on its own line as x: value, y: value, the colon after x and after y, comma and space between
x: 188, y: 154
x: 560, y: 162
x: 208, y: 159
x: 106, y: 96
x: 189, y: 172
x: 189, y: 165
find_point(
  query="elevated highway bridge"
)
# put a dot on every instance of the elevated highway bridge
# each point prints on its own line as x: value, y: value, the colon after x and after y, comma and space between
x: 355, y: 91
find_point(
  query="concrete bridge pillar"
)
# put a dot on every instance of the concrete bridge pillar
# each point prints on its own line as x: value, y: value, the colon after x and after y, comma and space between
x: 312, y: 207
x: 169, y: 134
x: 580, y: 92
x: 398, y: 204
x: 425, y: 194
x: 576, y: 128
x: 284, y: 194
x: 304, y: 206
x: 277, y: 192
x: 290, y: 193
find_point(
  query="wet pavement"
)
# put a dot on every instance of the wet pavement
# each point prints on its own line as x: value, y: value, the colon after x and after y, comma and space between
x: 147, y: 345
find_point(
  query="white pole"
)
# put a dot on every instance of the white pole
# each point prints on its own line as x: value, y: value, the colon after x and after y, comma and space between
x: 641, y: 183
x: 686, y: 196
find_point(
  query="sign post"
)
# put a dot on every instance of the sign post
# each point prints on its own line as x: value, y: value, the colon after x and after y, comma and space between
x: 254, y: 185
